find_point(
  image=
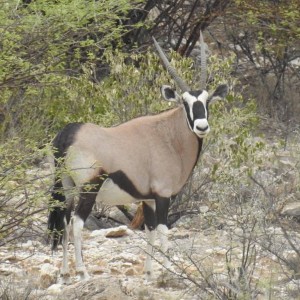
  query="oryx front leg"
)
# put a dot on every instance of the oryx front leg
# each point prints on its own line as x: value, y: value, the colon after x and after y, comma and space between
x: 68, y: 186
x: 162, y: 208
x: 162, y: 231
x: 150, y: 226
x: 83, y: 209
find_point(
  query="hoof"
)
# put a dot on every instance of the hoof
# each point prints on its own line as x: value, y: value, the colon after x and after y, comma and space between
x: 82, y: 275
x: 65, y: 279
x: 148, y: 276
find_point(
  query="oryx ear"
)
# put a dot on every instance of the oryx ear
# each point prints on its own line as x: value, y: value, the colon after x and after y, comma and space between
x: 169, y: 94
x: 220, y: 93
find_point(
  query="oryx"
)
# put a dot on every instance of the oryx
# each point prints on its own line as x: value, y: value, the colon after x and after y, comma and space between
x: 147, y: 159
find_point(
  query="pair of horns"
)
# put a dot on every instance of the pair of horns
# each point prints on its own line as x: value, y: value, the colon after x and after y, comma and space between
x: 179, y: 81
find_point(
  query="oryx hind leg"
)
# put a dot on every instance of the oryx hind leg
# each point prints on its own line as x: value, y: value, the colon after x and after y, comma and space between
x: 150, y: 226
x: 156, y: 214
x: 86, y: 201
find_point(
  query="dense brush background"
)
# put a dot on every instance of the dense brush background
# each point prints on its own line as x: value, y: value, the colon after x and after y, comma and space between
x: 93, y: 61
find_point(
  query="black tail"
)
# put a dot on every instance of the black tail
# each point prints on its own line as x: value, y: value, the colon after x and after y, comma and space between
x: 58, y: 210
x: 57, y: 214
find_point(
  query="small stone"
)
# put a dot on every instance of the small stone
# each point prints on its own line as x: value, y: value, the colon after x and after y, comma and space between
x: 115, y: 270
x: 116, y: 232
x: 97, y: 270
x: 204, y: 209
x: 130, y: 272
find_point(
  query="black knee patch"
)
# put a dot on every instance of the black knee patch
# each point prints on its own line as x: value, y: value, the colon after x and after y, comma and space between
x: 159, y: 216
x: 87, y: 199
x: 149, y: 216
x: 162, y: 209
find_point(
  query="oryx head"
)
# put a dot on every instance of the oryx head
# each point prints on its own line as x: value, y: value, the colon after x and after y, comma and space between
x: 195, y: 102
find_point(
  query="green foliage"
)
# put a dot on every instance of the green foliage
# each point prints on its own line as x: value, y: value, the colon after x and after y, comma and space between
x: 46, y: 49
x: 49, y: 78
x: 265, y: 35
x: 274, y: 20
x: 233, y: 122
x: 24, y: 190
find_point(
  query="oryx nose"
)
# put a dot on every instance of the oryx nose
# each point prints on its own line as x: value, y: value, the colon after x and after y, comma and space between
x: 202, y: 128
x: 201, y: 125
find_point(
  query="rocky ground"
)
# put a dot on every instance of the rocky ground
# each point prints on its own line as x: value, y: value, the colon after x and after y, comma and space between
x: 30, y: 271
x: 238, y: 249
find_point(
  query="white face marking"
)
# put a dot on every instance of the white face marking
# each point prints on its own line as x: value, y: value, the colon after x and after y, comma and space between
x: 201, y: 127
x: 197, y: 123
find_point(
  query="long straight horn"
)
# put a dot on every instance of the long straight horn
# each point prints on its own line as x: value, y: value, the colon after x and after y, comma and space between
x: 203, y: 74
x: 182, y: 85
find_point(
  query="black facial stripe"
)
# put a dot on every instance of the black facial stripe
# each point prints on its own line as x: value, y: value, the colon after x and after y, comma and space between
x: 198, y: 110
x: 207, y: 112
x: 187, y: 109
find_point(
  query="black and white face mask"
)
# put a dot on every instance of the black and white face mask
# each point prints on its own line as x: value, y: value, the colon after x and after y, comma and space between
x: 195, y: 104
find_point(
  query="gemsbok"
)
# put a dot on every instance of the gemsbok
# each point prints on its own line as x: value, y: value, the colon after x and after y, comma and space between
x: 146, y: 159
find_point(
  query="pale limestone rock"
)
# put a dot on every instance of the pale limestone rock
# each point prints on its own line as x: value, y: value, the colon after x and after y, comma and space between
x: 98, y: 233
x: 48, y: 275
x: 291, y: 209
x: 128, y: 286
x: 127, y: 257
x: 130, y: 272
x: 55, y: 289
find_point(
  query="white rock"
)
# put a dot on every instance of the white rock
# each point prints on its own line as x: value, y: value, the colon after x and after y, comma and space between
x: 98, y: 233
x: 204, y: 209
x: 55, y: 288
x: 27, y: 245
x: 128, y: 286
x: 48, y: 275
x: 291, y: 209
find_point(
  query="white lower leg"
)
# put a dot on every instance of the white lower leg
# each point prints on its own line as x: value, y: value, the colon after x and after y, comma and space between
x: 65, y: 273
x: 77, y: 229
x: 151, y: 234
x: 164, y: 243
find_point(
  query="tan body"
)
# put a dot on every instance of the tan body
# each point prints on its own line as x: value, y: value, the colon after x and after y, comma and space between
x: 157, y: 153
